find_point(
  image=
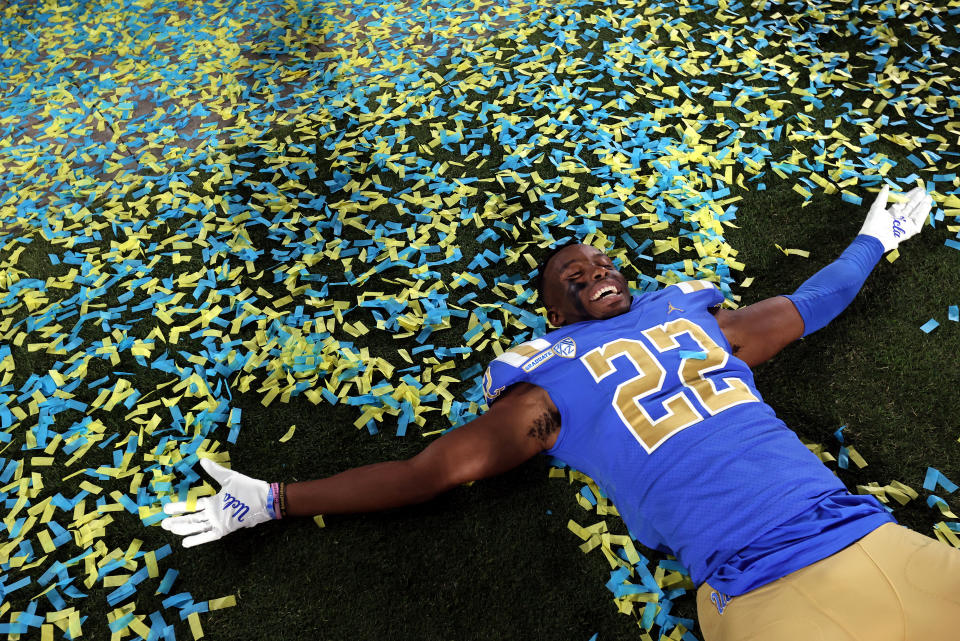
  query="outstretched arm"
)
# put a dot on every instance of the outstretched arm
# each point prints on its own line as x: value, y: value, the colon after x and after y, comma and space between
x: 757, y: 332
x: 511, y: 432
x: 491, y: 444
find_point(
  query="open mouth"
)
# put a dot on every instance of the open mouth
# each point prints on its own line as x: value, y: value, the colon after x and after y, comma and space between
x: 605, y: 293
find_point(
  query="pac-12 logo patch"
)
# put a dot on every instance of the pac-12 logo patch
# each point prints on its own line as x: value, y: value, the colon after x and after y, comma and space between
x: 566, y: 348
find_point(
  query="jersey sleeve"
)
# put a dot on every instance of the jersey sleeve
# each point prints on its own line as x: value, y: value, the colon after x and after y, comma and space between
x: 696, y: 294
x: 507, y: 369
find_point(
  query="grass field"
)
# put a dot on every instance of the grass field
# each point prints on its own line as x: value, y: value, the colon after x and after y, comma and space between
x: 320, y: 284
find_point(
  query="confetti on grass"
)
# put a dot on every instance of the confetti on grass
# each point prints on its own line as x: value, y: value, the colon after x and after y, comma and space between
x: 803, y: 253
x: 416, y: 210
x: 639, y: 587
x: 935, y: 478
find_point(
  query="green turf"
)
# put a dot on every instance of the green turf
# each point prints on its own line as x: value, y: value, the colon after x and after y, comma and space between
x: 488, y: 561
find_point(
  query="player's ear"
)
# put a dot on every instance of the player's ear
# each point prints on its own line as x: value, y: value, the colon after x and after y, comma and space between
x: 554, y: 316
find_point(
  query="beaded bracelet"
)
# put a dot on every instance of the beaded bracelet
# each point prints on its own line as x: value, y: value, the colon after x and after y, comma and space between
x: 283, y: 500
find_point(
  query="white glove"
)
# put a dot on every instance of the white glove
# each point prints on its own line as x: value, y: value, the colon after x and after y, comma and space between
x: 241, y: 502
x: 901, y: 221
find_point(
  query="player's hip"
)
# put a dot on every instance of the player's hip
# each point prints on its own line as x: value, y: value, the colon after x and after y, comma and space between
x: 892, y: 585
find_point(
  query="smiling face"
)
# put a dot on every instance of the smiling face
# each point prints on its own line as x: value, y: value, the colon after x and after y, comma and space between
x: 580, y: 283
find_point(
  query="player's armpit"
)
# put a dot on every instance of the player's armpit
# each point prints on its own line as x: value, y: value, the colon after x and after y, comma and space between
x: 758, y: 332
x: 521, y: 424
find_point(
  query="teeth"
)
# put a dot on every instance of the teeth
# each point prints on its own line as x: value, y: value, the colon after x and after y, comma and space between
x: 603, y: 290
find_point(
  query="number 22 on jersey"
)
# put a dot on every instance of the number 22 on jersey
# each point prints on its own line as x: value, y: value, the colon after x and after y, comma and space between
x: 699, y: 377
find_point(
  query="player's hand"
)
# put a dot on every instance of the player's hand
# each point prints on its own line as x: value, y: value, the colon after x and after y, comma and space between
x: 893, y: 225
x: 241, y: 502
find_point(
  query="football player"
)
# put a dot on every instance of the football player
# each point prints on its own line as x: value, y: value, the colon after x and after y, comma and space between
x: 652, y: 396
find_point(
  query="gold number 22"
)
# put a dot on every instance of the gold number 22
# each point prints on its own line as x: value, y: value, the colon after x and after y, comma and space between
x: 715, y: 393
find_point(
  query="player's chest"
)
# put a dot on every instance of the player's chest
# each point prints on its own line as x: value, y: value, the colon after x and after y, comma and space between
x: 657, y: 377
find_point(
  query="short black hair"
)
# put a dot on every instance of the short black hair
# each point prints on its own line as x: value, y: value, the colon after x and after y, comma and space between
x: 542, y: 266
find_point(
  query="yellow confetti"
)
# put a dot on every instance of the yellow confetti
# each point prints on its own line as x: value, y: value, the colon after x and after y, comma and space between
x: 223, y: 602
x: 854, y: 455
x: 794, y: 252
x: 946, y: 535
x: 289, y: 435
x: 195, y: 628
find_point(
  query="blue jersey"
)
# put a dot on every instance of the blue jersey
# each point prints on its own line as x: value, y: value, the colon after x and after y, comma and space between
x: 656, y: 409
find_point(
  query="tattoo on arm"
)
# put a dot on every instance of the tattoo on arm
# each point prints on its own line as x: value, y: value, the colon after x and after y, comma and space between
x: 545, y: 425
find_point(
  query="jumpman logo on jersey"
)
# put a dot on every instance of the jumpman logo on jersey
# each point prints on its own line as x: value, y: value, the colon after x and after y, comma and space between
x: 671, y: 308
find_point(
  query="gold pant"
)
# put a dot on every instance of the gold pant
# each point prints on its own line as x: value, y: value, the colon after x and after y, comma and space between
x: 892, y: 585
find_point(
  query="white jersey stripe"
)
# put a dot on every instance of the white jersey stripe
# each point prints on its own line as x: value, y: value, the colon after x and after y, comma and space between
x: 690, y: 286
x: 517, y: 356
